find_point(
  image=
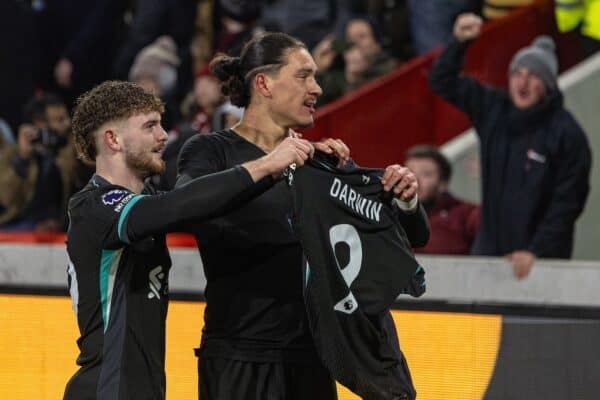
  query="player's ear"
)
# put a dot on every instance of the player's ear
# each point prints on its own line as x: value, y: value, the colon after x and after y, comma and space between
x: 110, y: 139
x: 262, y: 84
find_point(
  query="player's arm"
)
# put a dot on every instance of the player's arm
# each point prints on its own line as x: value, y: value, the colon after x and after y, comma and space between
x: 416, y: 226
x: 207, y: 196
x: 202, y: 155
x: 403, y: 184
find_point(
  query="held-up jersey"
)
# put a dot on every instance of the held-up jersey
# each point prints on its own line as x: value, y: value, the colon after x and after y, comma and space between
x: 358, y: 259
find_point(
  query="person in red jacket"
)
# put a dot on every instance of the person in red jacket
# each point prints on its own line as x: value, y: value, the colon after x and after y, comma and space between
x: 454, y: 223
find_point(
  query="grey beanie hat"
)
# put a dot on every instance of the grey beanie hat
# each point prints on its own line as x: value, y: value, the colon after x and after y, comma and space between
x: 540, y: 59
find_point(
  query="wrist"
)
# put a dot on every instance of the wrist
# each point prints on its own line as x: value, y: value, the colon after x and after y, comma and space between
x: 407, y: 206
x: 259, y: 168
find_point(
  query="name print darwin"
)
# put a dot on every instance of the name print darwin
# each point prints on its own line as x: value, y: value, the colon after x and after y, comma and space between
x: 367, y: 208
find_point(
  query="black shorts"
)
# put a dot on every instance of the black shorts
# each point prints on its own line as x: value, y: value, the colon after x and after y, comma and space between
x: 220, y: 379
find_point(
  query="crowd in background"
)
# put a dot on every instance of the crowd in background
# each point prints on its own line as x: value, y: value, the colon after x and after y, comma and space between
x: 58, y: 49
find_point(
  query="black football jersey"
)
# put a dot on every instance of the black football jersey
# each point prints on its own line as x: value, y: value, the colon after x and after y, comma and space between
x: 118, y: 277
x: 120, y: 296
x: 358, y: 259
x: 252, y: 261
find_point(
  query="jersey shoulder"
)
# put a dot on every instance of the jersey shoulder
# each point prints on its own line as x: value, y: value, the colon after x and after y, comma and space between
x: 99, y: 204
x: 202, y: 143
x: 205, y: 151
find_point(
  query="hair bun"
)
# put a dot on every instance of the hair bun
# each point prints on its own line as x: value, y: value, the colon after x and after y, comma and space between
x: 225, y: 67
x: 229, y: 71
x: 233, y: 66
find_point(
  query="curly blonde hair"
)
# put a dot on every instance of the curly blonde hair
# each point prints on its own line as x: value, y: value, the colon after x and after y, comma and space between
x: 109, y: 101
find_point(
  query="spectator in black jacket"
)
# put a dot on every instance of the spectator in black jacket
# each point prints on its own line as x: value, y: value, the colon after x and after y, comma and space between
x: 78, y: 40
x: 535, y: 157
x: 32, y: 186
x: 20, y: 61
x: 151, y: 20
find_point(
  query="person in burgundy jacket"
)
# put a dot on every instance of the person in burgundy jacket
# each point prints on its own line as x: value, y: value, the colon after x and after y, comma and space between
x: 454, y: 223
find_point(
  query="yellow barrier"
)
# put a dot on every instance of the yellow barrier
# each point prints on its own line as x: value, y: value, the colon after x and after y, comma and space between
x: 451, y: 356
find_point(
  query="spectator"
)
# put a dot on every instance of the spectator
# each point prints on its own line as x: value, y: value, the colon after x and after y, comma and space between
x: 363, y: 54
x: 206, y: 109
x: 453, y: 223
x: 152, y: 19
x: 226, y: 116
x: 7, y: 136
x: 535, y: 157
x: 364, y: 33
x: 237, y: 24
x: 31, y: 197
x: 155, y: 70
x: 74, y: 173
x: 431, y: 21
x: 77, y: 41
x: 200, y: 105
x: 19, y: 55
x: 583, y: 15
x: 198, y: 110
x: 337, y: 83
x: 308, y: 20
x: 327, y: 53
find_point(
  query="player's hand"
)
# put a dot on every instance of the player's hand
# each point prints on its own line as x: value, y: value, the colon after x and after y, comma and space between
x: 522, y: 261
x: 467, y: 26
x: 292, y: 150
x: 402, y: 181
x: 334, y: 147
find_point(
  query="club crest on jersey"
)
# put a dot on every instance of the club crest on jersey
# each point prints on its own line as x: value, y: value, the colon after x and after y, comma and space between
x: 347, y: 305
x: 113, y: 196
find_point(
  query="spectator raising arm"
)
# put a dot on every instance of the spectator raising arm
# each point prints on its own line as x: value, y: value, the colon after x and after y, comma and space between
x: 446, y: 80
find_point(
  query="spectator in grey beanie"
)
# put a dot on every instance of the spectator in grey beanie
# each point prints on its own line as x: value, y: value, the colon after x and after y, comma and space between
x: 539, y: 59
x: 535, y: 158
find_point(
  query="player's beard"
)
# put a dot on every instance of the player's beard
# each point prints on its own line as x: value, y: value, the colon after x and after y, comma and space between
x: 144, y: 163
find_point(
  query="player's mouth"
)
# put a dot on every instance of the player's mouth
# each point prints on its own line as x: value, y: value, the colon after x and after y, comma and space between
x: 158, y: 149
x: 310, y: 104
